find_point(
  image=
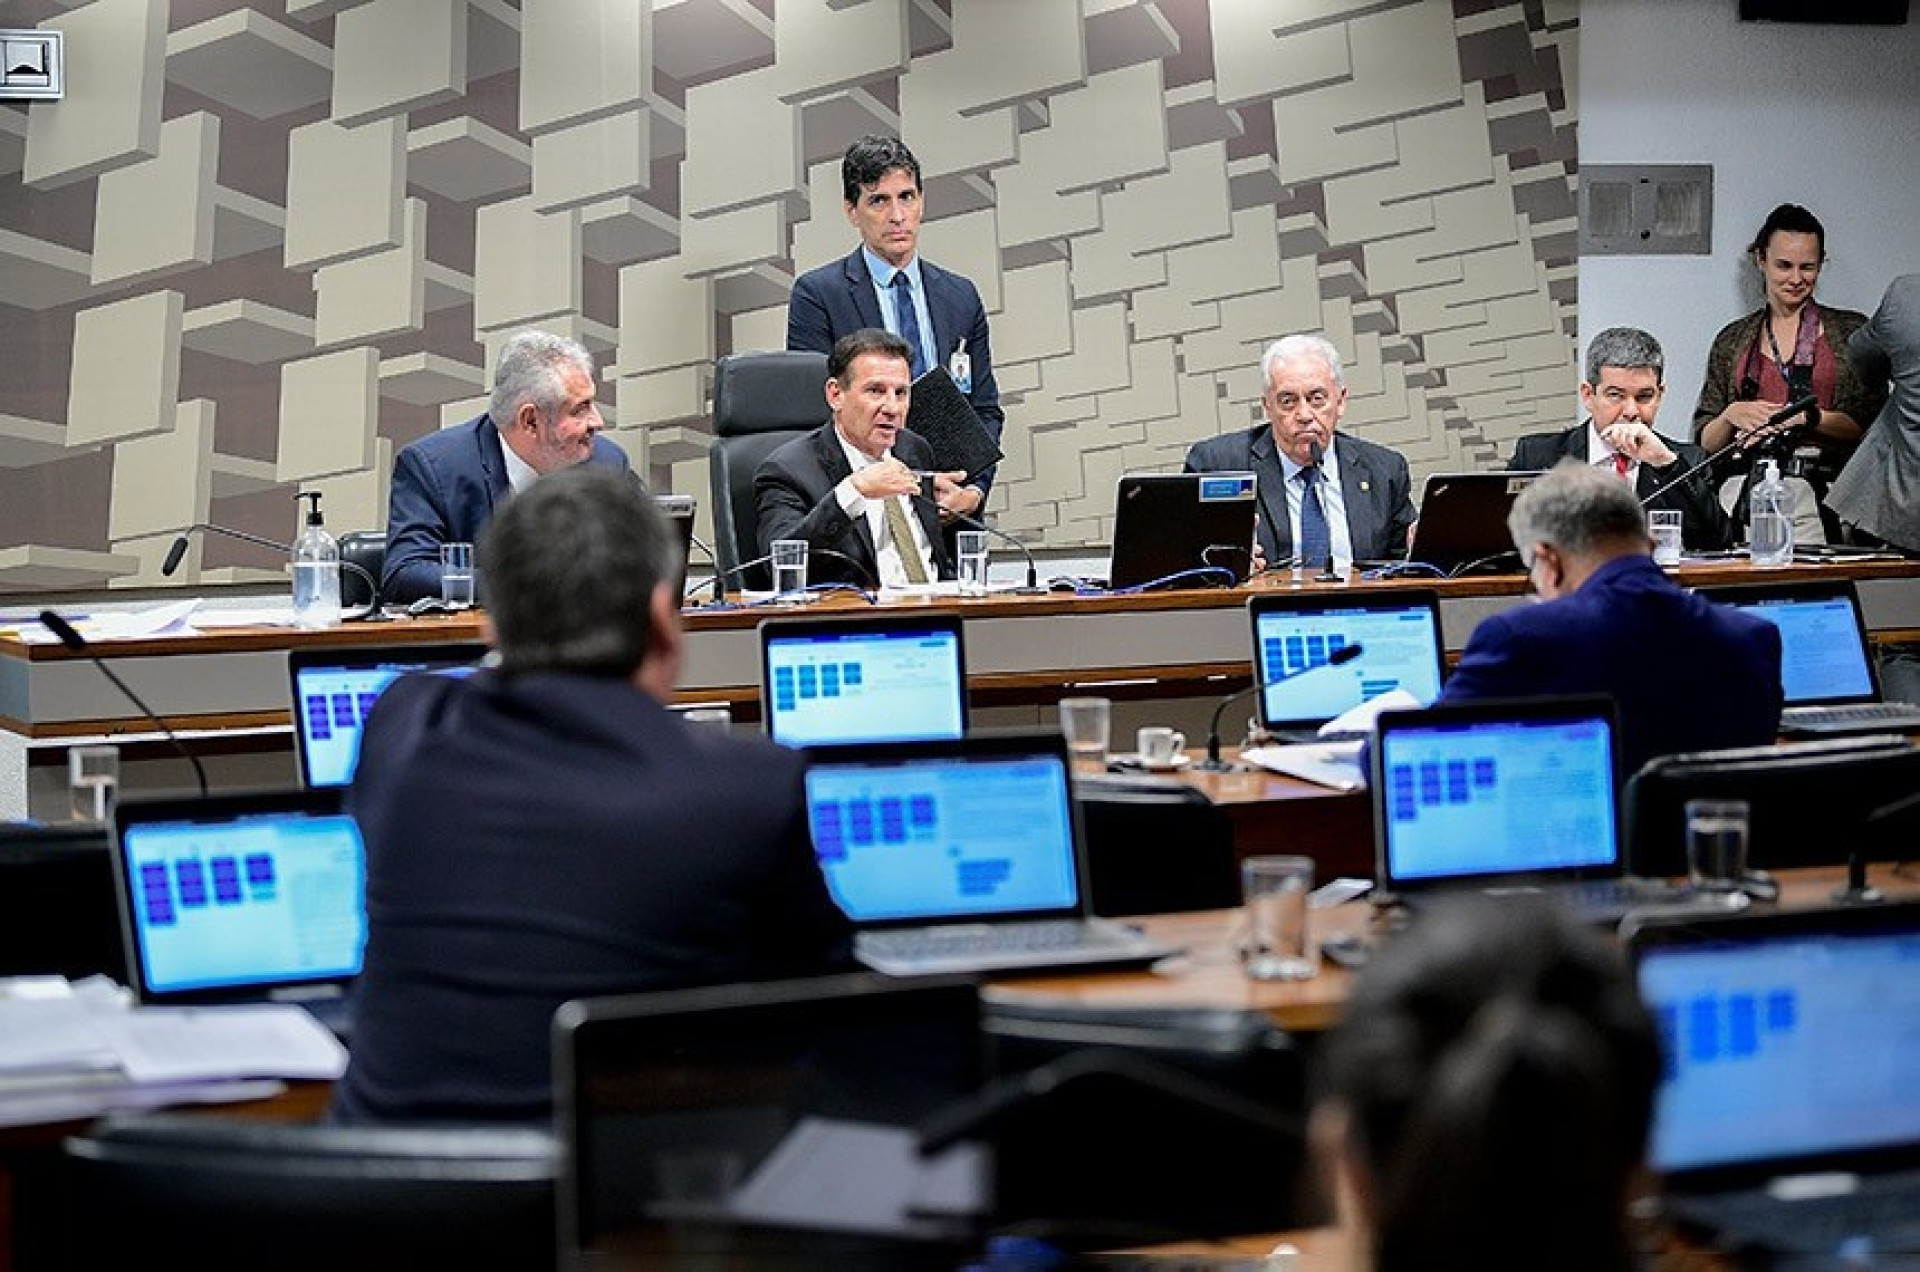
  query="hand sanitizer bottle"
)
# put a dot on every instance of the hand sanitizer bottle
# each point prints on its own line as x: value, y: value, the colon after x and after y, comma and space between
x: 316, y: 571
x: 1769, y: 528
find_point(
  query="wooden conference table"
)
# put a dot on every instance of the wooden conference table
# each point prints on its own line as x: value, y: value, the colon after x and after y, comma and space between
x: 227, y: 687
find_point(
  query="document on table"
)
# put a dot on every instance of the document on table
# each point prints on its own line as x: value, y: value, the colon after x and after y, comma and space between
x: 1334, y: 764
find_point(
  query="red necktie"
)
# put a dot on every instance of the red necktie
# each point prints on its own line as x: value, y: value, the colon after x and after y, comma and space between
x: 1621, y: 463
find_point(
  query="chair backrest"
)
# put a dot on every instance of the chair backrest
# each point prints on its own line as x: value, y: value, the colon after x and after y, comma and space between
x: 1808, y: 802
x: 1156, y: 846
x: 368, y: 550
x: 219, y: 1192
x: 761, y: 401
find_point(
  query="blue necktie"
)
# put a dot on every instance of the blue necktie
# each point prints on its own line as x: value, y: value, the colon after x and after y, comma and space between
x: 909, y: 321
x: 1316, y: 538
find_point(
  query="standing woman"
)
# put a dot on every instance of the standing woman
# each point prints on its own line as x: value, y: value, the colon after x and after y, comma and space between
x: 1792, y: 347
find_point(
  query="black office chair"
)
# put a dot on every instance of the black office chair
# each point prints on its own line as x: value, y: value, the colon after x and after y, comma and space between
x: 1809, y: 803
x: 761, y: 401
x: 218, y: 1192
x: 57, y: 912
x: 368, y: 550
x: 1156, y: 846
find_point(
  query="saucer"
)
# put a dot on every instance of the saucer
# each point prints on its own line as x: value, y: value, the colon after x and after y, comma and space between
x: 1134, y: 759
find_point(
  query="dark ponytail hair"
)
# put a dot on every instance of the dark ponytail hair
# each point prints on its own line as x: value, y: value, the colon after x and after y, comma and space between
x: 1497, y: 1069
x: 1788, y: 218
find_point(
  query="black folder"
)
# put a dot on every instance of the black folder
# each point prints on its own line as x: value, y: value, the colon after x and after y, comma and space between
x: 941, y: 413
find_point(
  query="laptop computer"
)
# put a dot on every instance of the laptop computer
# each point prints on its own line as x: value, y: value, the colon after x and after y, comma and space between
x: 962, y: 855
x: 1463, y: 522
x: 896, y: 676
x: 1515, y: 795
x: 773, y: 1124
x: 1294, y: 633
x: 1181, y: 530
x: 334, y: 687
x: 1828, y: 674
x: 255, y: 897
x: 1786, y: 1122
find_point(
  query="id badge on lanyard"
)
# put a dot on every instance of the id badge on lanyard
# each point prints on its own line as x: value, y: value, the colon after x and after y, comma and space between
x: 960, y: 367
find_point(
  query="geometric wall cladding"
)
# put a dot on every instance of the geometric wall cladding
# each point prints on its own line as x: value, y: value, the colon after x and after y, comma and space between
x: 259, y: 247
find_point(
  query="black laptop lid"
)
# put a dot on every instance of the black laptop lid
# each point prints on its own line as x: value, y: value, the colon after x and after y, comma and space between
x: 848, y: 678
x: 239, y: 898
x: 678, y: 510
x: 1791, y: 1041
x: 1398, y: 632
x: 1825, y: 659
x: 334, y: 688
x: 1463, y: 521
x: 1482, y: 794
x: 1181, y: 530
x: 769, y: 1124
x: 976, y: 829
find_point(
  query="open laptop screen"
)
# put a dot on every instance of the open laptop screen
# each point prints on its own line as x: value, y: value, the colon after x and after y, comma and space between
x: 1489, y: 789
x: 950, y: 833
x: 1824, y: 657
x: 234, y: 896
x: 863, y: 678
x: 333, y: 689
x: 1790, y: 1041
x: 1398, y: 633
x: 773, y: 1124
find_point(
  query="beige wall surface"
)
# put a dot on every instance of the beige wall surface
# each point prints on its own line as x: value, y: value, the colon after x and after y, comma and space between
x: 259, y: 247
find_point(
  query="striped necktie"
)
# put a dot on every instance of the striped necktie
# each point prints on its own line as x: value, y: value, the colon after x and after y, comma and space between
x: 902, y: 534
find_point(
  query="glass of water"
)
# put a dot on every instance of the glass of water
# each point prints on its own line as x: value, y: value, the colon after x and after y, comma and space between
x: 972, y: 548
x: 790, y: 569
x: 456, y: 575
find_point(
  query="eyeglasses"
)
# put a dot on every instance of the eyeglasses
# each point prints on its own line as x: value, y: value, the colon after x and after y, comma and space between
x: 1287, y: 402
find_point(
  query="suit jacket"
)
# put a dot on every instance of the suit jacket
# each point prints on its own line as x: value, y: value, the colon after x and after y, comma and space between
x: 1686, y: 674
x: 445, y: 488
x: 837, y: 298
x: 793, y: 491
x: 1879, y: 489
x: 1703, y: 523
x: 1374, y: 481
x: 545, y: 836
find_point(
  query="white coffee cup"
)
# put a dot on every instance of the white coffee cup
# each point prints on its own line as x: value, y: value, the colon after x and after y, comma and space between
x: 1157, y: 744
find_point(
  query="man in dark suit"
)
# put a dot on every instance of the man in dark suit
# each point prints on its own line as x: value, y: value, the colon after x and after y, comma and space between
x: 541, y: 418
x: 852, y: 486
x: 1622, y: 394
x: 944, y: 322
x: 547, y: 829
x: 1686, y: 674
x: 1353, y: 501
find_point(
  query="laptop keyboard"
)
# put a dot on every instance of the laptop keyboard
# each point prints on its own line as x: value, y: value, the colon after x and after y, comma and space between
x: 1861, y: 715
x: 1045, y: 936
x: 1883, y: 1213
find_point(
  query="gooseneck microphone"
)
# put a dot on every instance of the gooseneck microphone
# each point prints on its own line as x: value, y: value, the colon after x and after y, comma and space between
x: 1213, y: 763
x: 73, y: 640
x: 372, y: 613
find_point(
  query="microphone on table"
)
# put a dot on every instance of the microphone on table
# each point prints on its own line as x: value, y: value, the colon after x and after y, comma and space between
x: 1327, y: 574
x: 866, y: 575
x: 1213, y: 763
x: 1857, y: 891
x: 73, y: 640
x: 372, y: 613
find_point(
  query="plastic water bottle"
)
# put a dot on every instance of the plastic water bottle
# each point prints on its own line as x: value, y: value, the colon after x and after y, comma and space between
x: 1770, y: 529
x: 316, y: 571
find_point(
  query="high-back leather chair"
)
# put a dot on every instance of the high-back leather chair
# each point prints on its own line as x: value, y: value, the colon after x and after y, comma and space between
x: 368, y: 550
x: 213, y: 1192
x: 761, y: 401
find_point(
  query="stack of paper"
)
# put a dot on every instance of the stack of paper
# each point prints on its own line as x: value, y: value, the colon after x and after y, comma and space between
x: 77, y: 1050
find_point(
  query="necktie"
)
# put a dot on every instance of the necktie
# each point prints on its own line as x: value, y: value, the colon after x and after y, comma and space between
x: 909, y: 321
x: 1316, y: 537
x: 1621, y: 463
x: 902, y: 533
